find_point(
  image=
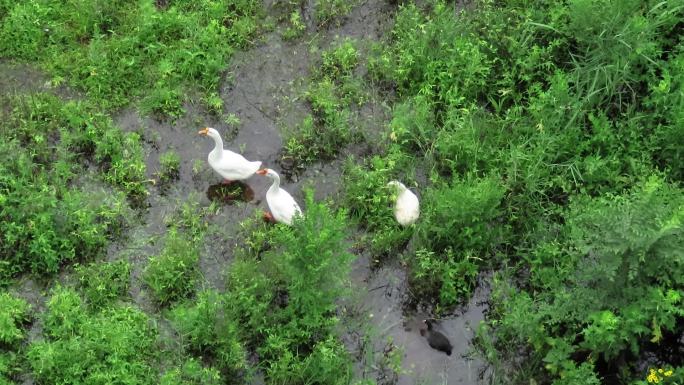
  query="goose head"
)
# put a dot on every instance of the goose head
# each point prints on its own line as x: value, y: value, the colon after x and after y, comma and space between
x: 208, y: 131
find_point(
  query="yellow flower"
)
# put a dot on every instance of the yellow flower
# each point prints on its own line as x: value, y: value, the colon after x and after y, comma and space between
x: 668, y: 373
x: 652, y: 377
x: 660, y: 370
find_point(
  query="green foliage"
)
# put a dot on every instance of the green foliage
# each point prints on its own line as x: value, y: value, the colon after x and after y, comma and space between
x: 340, y: 61
x: 172, y: 274
x: 205, y: 329
x: 169, y: 166
x: 103, y: 282
x: 370, y: 202
x: 192, y: 373
x: 47, y: 216
x: 116, y: 51
x: 116, y: 345
x: 615, y: 280
x: 13, y: 313
x: 296, y: 26
x: 462, y: 216
x: 284, y: 300
x: 332, y: 91
x: 332, y: 11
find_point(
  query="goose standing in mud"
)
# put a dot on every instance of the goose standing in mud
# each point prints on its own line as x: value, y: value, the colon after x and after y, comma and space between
x: 283, y: 207
x: 230, y: 165
x: 407, y: 207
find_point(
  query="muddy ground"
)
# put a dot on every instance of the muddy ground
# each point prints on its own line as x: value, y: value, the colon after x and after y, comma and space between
x: 263, y: 89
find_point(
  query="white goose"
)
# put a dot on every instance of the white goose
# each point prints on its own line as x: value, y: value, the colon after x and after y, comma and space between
x: 230, y: 165
x: 283, y: 206
x: 406, y: 208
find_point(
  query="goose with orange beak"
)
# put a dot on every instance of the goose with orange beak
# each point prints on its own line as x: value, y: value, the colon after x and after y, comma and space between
x: 283, y: 207
x: 230, y: 165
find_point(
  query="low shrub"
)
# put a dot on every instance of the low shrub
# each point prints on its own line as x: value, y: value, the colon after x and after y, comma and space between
x: 172, y: 274
x: 14, y: 313
x: 205, y: 329
x: 192, y: 373
x: 116, y: 345
x: 103, y: 282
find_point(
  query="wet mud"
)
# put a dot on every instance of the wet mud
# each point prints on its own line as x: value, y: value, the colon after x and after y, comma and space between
x: 382, y: 295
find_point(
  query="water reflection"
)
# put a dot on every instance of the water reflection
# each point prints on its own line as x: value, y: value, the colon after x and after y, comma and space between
x: 230, y: 193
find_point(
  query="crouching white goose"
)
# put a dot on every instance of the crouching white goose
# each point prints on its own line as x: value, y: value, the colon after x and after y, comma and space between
x: 283, y: 207
x: 230, y: 165
x: 406, y: 208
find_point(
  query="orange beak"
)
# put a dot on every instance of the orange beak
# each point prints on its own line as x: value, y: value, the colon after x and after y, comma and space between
x: 203, y: 131
x: 263, y: 171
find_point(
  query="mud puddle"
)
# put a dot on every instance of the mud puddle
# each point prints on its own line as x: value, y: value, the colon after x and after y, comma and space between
x: 395, y: 330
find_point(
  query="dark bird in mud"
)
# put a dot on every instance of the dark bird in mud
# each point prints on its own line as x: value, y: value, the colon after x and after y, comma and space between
x: 437, y: 340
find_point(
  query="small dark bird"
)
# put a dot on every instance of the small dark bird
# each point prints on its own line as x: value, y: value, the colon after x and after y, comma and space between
x: 436, y: 339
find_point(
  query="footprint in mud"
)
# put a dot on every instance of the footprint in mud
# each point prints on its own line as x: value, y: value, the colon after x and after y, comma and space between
x: 230, y: 193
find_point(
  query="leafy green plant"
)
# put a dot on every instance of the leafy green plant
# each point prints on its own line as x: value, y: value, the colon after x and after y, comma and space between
x: 192, y: 373
x: 49, y: 219
x: 163, y: 51
x: 296, y: 27
x: 102, y: 283
x: 172, y: 274
x: 323, y: 133
x: 115, y: 345
x: 205, y: 329
x: 283, y: 297
x: 13, y: 313
x: 169, y: 166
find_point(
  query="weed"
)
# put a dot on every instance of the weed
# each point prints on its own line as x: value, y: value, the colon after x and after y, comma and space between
x: 169, y: 166
x: 284, y: 299
x: 117, y: 51
x: 172, y: 274
x: 115, y: 345
x: 14, y: 313
x: 192, y: 373
x: 102, y: 283
x: 296, y: 26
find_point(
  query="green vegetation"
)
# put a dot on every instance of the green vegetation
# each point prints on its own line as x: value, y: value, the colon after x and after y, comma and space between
x: 103, y: 282
x: 282, y: 290
x: 543, y: 138
x: 331, y: 93
x: 118, y: 51
x: 169, y: 167
x: 115, y: 345
x: 326, y: 13
x: 48, y: 216
x: 550, y: 136
x: 172, y: 274
x: 13, y: 314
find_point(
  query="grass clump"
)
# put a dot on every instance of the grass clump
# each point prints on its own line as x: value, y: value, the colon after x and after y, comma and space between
x: 192, y: 373
x: 115, y: 345
x: 617, y: 268
x: 14, y: 312
x: 283, y: 294
x: 48, y: 217
x: 327, y: 130
x: 118, y: 52
x: 169, y: 166
x: 207, y: 330
x: 172, y: 274
x: 103, y: 282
